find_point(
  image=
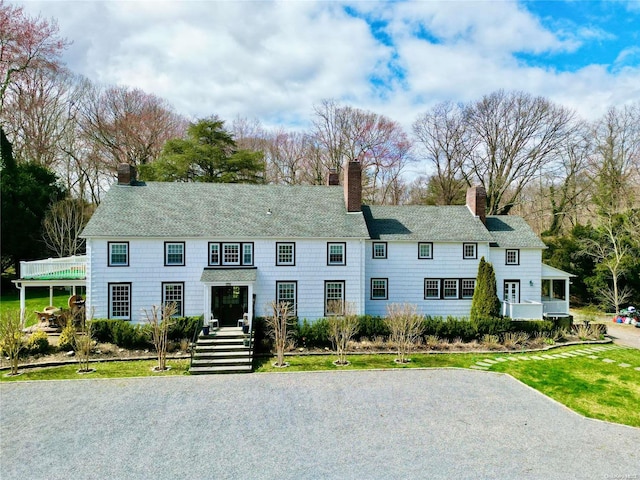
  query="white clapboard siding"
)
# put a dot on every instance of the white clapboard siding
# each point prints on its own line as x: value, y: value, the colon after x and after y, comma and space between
x: 146, y: 273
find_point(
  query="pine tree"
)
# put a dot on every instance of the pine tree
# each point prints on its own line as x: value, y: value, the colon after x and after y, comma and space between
x: 485, y: 303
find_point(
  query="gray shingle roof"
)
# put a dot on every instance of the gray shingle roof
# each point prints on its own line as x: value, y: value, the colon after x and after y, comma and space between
x: 175, y: 210
x: 425, y: 223
x: 512, y: 232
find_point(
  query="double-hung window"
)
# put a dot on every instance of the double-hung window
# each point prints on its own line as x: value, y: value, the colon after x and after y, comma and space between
x: 334, y: 298
x: 431, y: 289
x: 214, y: 254
x: 379, y: 289
x: 336, y: 253
x: 450, y: 288
x: 285, y: 254
x: 425, y: 250
x: 231, y: 254
x: 512, y: 257
x: 247, y: 253
x: 468, y: 287
x: 287, y: 292
x: 380, y: 250
x: 174, y: 254
x: 173, y: 293
x: 118, y: 254
x: 120, y: 301
x: 469, y: 251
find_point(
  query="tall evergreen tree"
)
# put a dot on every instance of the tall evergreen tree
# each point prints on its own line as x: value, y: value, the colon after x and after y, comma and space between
x: 485, y: 303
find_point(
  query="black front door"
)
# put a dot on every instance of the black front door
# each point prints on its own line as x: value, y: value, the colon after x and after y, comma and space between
x: 229, y: 304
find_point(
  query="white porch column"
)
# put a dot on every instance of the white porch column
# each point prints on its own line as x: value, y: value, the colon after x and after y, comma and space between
x: 23, y: 300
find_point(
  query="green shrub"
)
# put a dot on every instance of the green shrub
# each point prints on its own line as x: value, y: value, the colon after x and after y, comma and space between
x: 372, y: 327
x: 312, y: 334
x: 183, y: 327
x: 67, y: 337
x: 450, y: 329
x: 121, y: 332
x: 38, y: 343
x: 491, y: 326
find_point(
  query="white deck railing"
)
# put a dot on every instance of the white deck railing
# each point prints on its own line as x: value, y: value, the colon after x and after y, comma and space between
x: 555, y: 306
x: 55, y: 268
x: 526, y: 310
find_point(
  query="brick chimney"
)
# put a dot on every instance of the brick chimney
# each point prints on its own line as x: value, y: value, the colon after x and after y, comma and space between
x: 477, y: 202
x: 333, y: 178
x: 353, y: 187
x: 126, y: 174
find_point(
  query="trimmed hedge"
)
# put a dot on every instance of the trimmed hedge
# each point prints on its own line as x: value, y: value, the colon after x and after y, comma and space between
x: 130, y: 335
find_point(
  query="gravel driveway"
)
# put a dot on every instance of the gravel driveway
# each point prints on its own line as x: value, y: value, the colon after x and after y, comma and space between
x: 401, y: 424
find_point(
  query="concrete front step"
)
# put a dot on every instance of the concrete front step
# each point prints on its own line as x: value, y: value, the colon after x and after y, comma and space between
x: 204, y: 362
x: 222, y: 354
x: 220, y: 369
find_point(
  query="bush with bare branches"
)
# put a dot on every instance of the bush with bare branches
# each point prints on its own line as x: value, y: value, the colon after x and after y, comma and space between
x: 277, y: 323
x: 341, y: 331
x: 160, y: 319
x: 11, y: 337
x: 405, y: 325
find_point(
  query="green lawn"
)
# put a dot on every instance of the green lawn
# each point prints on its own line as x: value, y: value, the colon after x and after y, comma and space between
x: 36, y: 299
x: 139, y: 368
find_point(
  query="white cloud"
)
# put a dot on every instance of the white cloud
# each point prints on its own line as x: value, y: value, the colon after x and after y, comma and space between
x: 275, y: 60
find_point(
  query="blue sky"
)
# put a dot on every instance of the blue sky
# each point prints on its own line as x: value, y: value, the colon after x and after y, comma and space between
x: 273, y: 61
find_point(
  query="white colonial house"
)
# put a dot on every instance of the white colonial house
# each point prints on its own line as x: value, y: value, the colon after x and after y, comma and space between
x: 229, y: 250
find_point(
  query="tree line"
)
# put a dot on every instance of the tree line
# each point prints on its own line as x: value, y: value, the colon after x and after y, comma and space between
x: 575, y: 182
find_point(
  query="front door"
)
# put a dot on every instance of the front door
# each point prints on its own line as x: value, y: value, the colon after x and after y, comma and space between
x: 229, y: 304
x: 512, y: 291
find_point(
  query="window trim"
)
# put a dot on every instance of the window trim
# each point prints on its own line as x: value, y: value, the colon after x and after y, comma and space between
x: 430, y: 256
x: 462, y: 289
x: 344, y: 253
x: 242, y: 249
x: 166, y: 254
x: 179, y: 313
x: 110, y: 262
x: 293, y: 254
x: 344, y: 287
x: 241, y: 254
x: 373, y: 250
x: 295, y: 294
x: 506, y: 256
x: 444, y: 288
x: 438, y: 283
x: 223, y: 254
x: 475, y: 251
x: 209, y: 262
x: 386, y: 289
x: 110, y: 300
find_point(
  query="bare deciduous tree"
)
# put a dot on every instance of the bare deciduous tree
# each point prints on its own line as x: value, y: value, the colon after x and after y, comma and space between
x: 346, y: 134
x: 406, y: 326
x: 11, y: 337
x: 611, y: 250
x: 63, y: 224
x: 26, y: 44
x: 128, y: 125
x: 444, y: 142
x: 160, y: 319
x: 514, y: 136
x: 277, y: 324
x: 341, y: 331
